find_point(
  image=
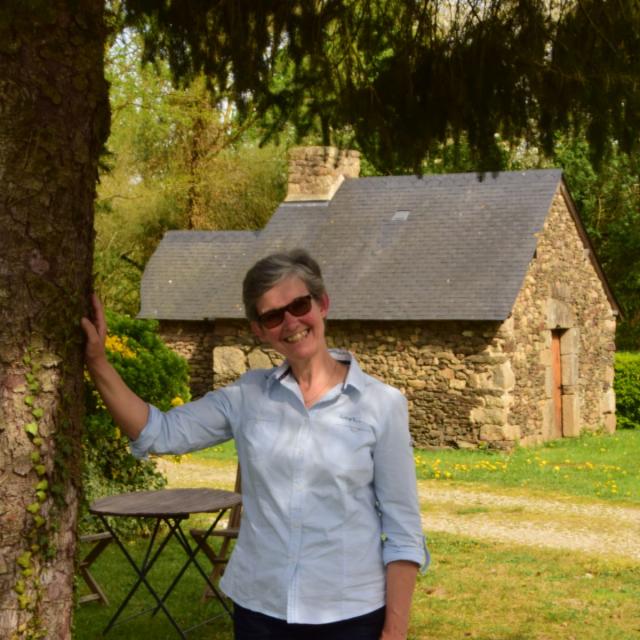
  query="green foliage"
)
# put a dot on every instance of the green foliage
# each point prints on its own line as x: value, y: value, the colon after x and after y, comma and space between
x: 157, y: 375
x: 404, y: 76
x: 178, y: 159
x: 627, y: 388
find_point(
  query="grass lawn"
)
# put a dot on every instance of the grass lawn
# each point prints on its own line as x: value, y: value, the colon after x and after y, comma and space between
x: 594, y: 465
x: 491, y: 591
x: 472, y: 590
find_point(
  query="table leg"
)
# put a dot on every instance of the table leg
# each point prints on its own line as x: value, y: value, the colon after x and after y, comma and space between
x: 142, y: 572
x: 191, y: 558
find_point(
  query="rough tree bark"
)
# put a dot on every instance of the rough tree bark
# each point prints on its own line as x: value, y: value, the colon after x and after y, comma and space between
x: 53, y: 123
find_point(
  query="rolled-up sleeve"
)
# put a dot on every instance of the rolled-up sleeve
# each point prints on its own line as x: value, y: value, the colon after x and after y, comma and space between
x: 195, y: 425
x: 396, y: 488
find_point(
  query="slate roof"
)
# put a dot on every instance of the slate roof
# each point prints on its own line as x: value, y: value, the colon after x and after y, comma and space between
x: 439, y: 247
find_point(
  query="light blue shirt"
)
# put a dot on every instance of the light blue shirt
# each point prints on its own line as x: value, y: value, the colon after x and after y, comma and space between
x: 329, y: 493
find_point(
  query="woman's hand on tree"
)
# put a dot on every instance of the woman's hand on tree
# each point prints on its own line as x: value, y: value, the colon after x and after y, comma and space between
x: 95, y: 330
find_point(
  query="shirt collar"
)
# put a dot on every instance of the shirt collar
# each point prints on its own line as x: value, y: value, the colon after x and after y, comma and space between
x: 355, y: 376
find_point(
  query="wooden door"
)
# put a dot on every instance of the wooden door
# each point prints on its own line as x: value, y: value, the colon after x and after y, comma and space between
x: 556, y: 367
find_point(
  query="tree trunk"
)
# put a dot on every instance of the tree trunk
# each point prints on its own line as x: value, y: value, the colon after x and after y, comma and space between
x: 53, y: 122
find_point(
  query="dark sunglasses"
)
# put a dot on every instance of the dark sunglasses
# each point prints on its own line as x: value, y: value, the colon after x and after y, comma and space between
x: 297, y: 307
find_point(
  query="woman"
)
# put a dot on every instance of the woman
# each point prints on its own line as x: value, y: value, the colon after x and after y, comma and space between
x: 331, y: 539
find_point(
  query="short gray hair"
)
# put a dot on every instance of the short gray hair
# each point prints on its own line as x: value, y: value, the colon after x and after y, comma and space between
x: 266, y: 273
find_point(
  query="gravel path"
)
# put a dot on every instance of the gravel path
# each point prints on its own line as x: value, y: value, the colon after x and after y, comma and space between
x: 597, y: 528
x: 591, y: 527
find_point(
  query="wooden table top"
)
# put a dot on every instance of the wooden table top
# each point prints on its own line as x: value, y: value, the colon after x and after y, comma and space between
x: 169, y: 503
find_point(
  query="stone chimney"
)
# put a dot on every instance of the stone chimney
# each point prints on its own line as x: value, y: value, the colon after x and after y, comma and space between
x: 315, y: 173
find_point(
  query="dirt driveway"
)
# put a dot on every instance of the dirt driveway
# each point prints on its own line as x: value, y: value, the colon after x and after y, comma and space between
x: 505, y: 516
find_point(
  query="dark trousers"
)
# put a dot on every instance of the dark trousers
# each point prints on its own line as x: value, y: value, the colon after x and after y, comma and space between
x: 250, y: 625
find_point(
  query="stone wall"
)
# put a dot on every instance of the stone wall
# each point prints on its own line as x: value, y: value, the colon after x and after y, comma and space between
x: 454, y: 375
x: 563, y: 293
x: 193, y: 341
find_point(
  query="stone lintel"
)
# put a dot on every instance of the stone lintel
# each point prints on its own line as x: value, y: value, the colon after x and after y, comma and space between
x: 559, y: 315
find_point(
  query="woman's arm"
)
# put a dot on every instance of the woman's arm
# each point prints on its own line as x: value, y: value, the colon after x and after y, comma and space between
x: 129, y: 411
x: 401, y: 580
x: 395, y: 485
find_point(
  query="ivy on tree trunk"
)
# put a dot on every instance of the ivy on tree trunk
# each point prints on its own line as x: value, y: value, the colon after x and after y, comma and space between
x: 53, y: 123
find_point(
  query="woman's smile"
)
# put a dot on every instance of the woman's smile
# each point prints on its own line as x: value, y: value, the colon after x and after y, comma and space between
x: 296, y: 337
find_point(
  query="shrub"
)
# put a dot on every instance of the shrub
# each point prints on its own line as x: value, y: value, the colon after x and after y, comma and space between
x: 156, y: 374
x: 627, y: 388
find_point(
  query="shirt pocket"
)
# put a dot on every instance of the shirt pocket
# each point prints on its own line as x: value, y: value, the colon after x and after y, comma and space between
x: 348, y: 450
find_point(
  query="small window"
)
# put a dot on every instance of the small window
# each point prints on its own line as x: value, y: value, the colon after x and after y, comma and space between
x: 400, y: 216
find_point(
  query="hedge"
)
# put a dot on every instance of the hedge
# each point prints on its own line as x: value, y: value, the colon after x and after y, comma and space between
x: 627, y: 387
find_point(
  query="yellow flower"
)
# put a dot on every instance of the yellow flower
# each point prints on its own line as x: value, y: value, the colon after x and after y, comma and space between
x: 177, y: 401
x: 119, y: 344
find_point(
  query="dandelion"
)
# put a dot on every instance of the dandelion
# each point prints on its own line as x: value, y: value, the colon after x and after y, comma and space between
x: 177, y: 401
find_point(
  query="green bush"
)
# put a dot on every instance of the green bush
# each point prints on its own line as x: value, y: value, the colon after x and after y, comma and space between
x: 156, y: 374
x: 627, y: 388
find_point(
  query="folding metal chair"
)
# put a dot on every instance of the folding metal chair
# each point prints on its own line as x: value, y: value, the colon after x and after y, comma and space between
x: 229, y: 533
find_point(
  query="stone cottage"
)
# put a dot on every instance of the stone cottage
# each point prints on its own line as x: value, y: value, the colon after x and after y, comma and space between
x: 480, y: 297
